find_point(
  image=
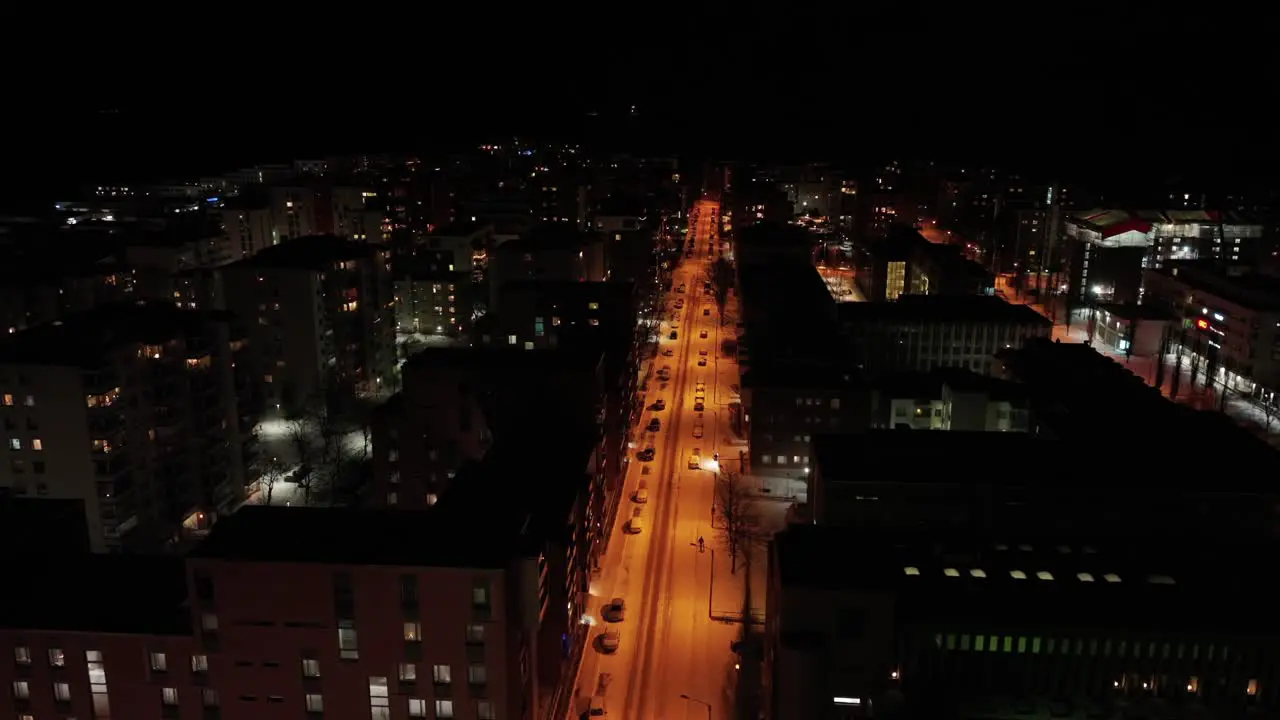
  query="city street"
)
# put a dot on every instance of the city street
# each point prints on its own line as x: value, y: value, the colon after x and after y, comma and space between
x: 669, y: 646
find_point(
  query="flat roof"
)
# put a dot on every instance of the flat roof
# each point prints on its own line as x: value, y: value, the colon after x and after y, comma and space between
x: 491, y: 357
x: 929, y: 384
x: 551, y: 236
x: 314, y: 252
x: 970, y: 309
x: 360, y: 536
x: 1041, y: 581
x: 1247, y: 290
x: 1080, y: 394
x: 85, y: 339
x: 127, y: 594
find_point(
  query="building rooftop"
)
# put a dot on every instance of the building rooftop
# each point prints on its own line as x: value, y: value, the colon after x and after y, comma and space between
x: 461, y: 228
x: 930, y: 384
x: 1039, y: 581
x: 1080, y: 394
x: 1129, y: 311
x: 129, y: 594
x: 970, y: 309
x: 1248, y: 290
x: 85, y: 339
x: 487, y: 358
x: 317, y: 252
x: 346, y: 536
x: 551, y: 236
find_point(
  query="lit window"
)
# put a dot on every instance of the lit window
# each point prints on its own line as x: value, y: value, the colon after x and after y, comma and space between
x: 315, y: 703
x: 57, y: 658
x: 158, y: 662
x: 21, y: 690
x: 1044, y: 575
x: 412, y: 632
x: 417, y: 707
x: 484, y: 710
x: 911, y: 570
x: 444, y: 708
x: 8, y: 399
x: 1084, y: 577
x: 475, y: 633
x: 441, y: 675
x: 951, y: 572
x: 1017, y: 575
x: 15, y: 444
x: 1251, y: 688
x: 199, y: 664
x: 1111, y: 578
x: 408, y: 672
x: 310, y: 668
x: 978, y: 572
x: 37, y: 444
x: 477, y: 675
x: 22, y: 655
x: 62, y: 692
x: 169, y: 696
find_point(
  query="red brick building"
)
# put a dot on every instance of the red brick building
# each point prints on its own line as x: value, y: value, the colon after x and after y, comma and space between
x: 293, y: 613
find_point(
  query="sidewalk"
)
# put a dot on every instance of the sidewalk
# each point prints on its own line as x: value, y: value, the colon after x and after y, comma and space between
x: 728, y: 589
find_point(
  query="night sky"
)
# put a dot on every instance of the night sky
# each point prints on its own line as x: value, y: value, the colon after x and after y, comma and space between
x: 1114, y: 91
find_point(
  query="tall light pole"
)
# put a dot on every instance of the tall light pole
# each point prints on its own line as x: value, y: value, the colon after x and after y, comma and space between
x: 706, y: 705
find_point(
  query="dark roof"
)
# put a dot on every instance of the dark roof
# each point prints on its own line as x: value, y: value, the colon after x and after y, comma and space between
x: 1123, y: 583
x: 551, y: 236
x: 316, y: 252
x: 1252, y: 291
x: 1127, y: 311
x: 345, y: 536
x: 461, y: 228
x: 488, y: 358
x: 59, y: 523
x: 972, y: 309
x: 930, y: 384
x: 96, y: 593
x: 85, y: 339
x: 1081, y: 395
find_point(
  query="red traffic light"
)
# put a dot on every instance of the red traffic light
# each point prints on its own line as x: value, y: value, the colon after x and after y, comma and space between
x: 1202, y: 324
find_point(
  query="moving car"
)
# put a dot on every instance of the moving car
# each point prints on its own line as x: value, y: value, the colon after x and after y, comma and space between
x: 597, y: 708
x: 706, y: 311
x: 659, y: 404
x: 702, y: 362
x: 641, y: 496
x: 697, y: 430
x: 673, y: 335
x: 654, y: 425
x: 647, y: 454
x: 698, y: 406
x: 695, y: 460
x: 703, y: 334
x: 680, y: 289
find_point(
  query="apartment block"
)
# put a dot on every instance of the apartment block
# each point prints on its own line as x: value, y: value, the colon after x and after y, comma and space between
x: 140, y: 411
x: 926, y: 332
x: 304, y: 612
x: 318, y: 311
x: 553, y: 251
x: 455, y: 403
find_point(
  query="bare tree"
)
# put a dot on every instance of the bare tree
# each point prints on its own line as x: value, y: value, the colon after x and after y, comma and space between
x: 1270, y: 410
x: 270, y: 471
x: 302, y: 433
x: 721, y: 275
x: 737, y: 516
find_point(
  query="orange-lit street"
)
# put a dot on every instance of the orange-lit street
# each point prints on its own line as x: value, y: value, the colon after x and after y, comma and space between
x: 672, y: 660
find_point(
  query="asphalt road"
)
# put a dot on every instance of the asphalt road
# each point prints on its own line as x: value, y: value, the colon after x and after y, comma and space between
x: 669, y: 644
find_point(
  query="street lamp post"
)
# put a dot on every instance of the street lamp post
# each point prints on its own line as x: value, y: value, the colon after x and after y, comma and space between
x: 706, y: 705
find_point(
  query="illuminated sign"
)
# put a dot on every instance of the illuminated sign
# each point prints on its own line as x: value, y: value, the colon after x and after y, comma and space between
x: 1202, y: 324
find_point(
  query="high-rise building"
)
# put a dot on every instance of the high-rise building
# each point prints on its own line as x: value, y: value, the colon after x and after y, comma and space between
x: 141, y: 411
x: 319, y: 314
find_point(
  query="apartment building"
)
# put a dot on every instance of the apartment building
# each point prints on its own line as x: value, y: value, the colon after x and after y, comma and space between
x: 1029, y: 624
x: 455, y: 403
x: 249, y: 225
x: 926, y: 332
x: 905, y: 263
x: 950, y: 399
x: 433, y: 303
x: 552, y: 251
x: 318, y: 311
x: 1230, y: 323
x: 303, y: 612
x: 140, y: 411
x: 590, y: 317
x: 41, y: 288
